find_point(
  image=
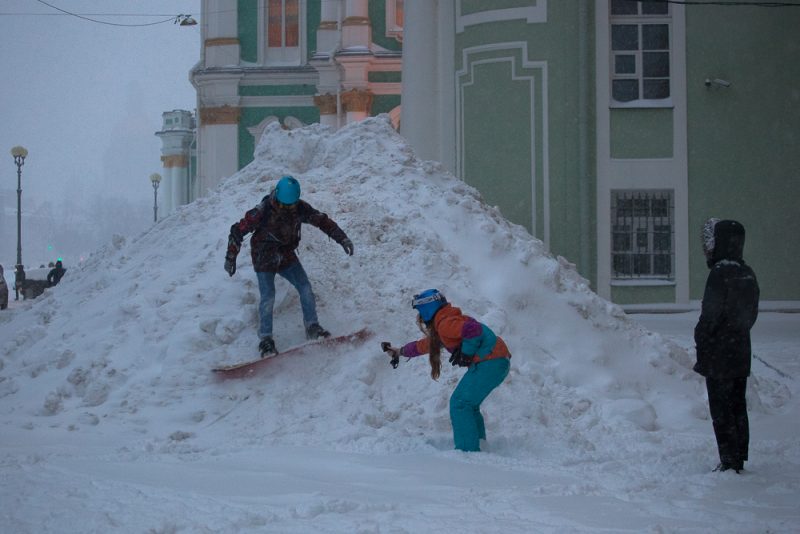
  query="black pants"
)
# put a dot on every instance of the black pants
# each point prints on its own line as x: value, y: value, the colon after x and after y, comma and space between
x: 728, y: 406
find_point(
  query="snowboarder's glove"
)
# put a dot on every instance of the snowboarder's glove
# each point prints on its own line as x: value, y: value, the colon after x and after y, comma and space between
x: 460, y: 359
x: 235, y: 237
x: 230, y: 265
x: 347, y: 245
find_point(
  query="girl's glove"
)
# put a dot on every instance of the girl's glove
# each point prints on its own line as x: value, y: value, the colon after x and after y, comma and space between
x: 391, y: 351
x: 460, y: 359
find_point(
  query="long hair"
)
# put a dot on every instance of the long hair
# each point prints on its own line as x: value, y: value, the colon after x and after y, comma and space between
x: 434, y: 347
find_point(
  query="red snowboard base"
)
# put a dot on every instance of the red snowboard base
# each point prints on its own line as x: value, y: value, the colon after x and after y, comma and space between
x: 245, y: 369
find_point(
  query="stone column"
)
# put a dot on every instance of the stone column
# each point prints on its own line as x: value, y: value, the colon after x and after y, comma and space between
x: 218, y: 144
x: 328, y: 29
x: 421, y: 97
x: 220, y: 31
x: 176, y: 166
x: 356, y: 27
x: 176, y: 136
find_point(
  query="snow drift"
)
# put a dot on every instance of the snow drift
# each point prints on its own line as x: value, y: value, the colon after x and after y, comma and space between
x: 127, y: 340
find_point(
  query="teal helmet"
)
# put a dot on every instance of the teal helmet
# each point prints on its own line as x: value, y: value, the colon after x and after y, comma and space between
x: 288, y: 190
x: 428, y: 303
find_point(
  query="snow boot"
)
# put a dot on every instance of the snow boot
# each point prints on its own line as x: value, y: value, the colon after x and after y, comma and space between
x: 315, y: 331
x: 267, y: 347
x: 724, y: 466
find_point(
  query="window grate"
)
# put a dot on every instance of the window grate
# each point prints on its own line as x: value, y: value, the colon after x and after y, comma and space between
x: 643, y: 234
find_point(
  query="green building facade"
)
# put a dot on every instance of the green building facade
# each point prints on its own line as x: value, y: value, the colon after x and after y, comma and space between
x: 612, y: 129
x: 295, y: 62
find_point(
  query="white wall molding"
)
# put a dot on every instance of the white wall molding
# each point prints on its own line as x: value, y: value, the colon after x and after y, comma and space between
x: 531, y: 14
x: 464, y: 78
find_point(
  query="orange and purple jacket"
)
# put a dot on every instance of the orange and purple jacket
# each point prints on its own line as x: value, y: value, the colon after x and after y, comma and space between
x: 458, y: 330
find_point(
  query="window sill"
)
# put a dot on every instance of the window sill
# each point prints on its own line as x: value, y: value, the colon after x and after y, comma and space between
x: 646, y: 104
x: 643, y: 282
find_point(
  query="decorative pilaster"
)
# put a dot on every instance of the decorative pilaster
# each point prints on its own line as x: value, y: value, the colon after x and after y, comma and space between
x: 328, y: 110
x: 328, y: 29
x: 221, y: 47
x: 357, y: 104
x: 356, y: 27
x: 326, y: 104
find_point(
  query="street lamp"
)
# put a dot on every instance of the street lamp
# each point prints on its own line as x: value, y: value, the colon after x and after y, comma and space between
x: 155, y: 178
x: 19, y: 153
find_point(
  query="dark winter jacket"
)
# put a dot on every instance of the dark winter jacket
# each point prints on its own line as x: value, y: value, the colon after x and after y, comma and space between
x: 55, y: 274
x: 3, y: 291
x: 730, y: 305
x: 276, y: 233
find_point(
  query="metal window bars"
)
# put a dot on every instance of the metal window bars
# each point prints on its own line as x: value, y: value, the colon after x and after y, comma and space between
x: 642, y: 234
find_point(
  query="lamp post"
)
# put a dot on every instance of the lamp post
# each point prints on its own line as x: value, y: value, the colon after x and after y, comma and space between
x: 19, y: 153
x: 155, y: 178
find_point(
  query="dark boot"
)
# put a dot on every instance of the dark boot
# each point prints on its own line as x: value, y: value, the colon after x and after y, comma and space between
x: 267, y: 347
x: 724, y: 466
x: 315, y: 331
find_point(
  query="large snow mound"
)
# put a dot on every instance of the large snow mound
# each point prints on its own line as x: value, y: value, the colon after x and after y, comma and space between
x: 127, y: 340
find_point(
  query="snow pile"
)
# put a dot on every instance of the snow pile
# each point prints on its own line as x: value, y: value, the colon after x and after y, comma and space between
x: 139, y: 325
x: 125, y: 344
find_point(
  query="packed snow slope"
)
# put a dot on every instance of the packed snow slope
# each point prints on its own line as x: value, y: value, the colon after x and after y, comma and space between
x: 124, y: 345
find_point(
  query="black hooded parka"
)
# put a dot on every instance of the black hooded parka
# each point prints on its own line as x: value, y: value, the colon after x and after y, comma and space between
x: 730, y: 305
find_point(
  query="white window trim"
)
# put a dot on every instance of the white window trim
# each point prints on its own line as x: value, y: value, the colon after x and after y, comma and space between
x: 294, y: 56
x: 640, y: 19
x: 393, y: 30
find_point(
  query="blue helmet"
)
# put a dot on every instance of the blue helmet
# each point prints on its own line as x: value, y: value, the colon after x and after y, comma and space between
x: 288, y: 190
x: 428, y: 303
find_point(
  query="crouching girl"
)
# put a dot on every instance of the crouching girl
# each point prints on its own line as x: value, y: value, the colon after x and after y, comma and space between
x: 472, y: 345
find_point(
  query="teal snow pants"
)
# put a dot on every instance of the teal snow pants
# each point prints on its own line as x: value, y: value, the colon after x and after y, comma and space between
x: 465, y: 403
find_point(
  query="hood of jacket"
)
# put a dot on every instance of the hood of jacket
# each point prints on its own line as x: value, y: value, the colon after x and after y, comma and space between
x: 723, y: 240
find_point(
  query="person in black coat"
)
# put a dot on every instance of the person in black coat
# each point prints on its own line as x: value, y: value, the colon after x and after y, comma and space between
x: 722, y: 338
x: 55, y: 274
x: 3, y: 291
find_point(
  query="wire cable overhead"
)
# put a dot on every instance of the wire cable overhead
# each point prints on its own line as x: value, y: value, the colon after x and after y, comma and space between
x: 182, y: 19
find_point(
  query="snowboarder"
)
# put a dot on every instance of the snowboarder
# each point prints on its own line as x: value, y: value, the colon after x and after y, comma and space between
x: 722, y: 338
x: 472, y: 345
x: 275, y: 223
x: 55, y: 274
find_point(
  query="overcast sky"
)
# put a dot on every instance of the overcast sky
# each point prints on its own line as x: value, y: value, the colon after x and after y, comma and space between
x: 86, y: 98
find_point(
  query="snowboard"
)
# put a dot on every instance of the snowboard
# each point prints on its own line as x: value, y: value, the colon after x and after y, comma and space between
x: 249, y: 368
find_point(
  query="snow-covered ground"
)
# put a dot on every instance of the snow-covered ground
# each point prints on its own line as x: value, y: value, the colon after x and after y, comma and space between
x: 111, y: 420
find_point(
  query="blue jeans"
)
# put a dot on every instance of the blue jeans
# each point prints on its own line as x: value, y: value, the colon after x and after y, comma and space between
x: 465, y: 403
x: 295, y: 275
